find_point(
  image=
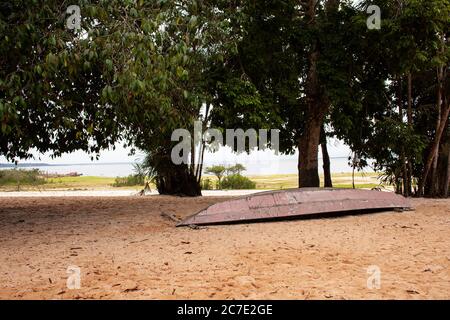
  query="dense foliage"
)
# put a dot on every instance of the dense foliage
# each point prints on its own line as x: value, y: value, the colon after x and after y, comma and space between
x: 237, y: 181
x: 137, y: 70
x: 315, y: 69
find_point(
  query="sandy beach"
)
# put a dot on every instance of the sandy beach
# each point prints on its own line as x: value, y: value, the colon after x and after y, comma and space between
x: 128, y: 248
x: 111, y: 193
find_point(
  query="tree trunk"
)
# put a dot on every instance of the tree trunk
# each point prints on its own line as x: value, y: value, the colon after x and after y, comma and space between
x: 404, y: 173
x: 317, y: 107
x: 178, y: 181
x: 409, y: 111
x: 353, y: 177
x: 398, y: 186
x: 446, y: 186
x: 328, y: 183
x: 443, y: 168
x: 308, y: 167
x: 443, y: 109
x: 202, y: 148
x: 408, y: 184
x: 434, y: 168
x: 172, y: 179
x: 434, y: 149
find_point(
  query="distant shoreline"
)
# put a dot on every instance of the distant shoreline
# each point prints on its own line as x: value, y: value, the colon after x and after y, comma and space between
x: 44, y: 164
x: 282, y: 165
x: 39, y: 164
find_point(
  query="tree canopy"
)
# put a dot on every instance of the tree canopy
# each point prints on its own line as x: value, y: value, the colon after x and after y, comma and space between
x: 137, y: 70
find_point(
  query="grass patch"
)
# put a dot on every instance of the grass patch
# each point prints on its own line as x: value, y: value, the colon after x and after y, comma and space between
x: 130, y: 181
x: 340, y: 180
x: 79, y: 182
x: 17, y: 178
x: 84, y: 183
x: 265, y: 182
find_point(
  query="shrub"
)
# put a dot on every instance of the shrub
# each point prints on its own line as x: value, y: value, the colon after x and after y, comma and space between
x: 130, y: 181
x: 207, y: 184
x: 218, y: 171
x: 237, y: 181
x: 21, y: 177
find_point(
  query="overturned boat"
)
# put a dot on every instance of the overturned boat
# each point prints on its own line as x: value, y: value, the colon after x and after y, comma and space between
x: 292, y: 203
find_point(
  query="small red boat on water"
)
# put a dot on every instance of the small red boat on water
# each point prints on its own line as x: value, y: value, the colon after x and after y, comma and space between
x: 291, y: 203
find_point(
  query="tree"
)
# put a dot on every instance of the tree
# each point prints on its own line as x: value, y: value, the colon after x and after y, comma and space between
x: 160, y: 86
x: 218, y: 171
x: 299, y: 65
x: 409, y: 49
x: 295, y: 62
x: 49, y: 88
x: 135, y: 72
x: 236, y: 169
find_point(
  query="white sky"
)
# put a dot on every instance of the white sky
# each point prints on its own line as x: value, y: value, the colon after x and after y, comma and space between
x: 336, y: 148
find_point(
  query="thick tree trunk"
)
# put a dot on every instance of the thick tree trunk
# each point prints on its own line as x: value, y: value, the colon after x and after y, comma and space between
x: 179, y: 181
x: 328, y: 183
x: 308, y: 166
x: 308, y: 148
x: 170, y: 178
x: 317, y: 106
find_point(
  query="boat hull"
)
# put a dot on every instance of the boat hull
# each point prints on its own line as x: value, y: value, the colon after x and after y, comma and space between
x: 293, y: 203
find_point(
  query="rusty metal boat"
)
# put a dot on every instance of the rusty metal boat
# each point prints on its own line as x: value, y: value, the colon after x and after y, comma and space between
x: 292, y: 203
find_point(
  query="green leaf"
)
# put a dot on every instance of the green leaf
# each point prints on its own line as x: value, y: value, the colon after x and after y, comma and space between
x: 109, y: 64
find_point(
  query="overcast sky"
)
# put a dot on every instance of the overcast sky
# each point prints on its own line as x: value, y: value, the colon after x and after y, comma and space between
x: 120, y: 154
